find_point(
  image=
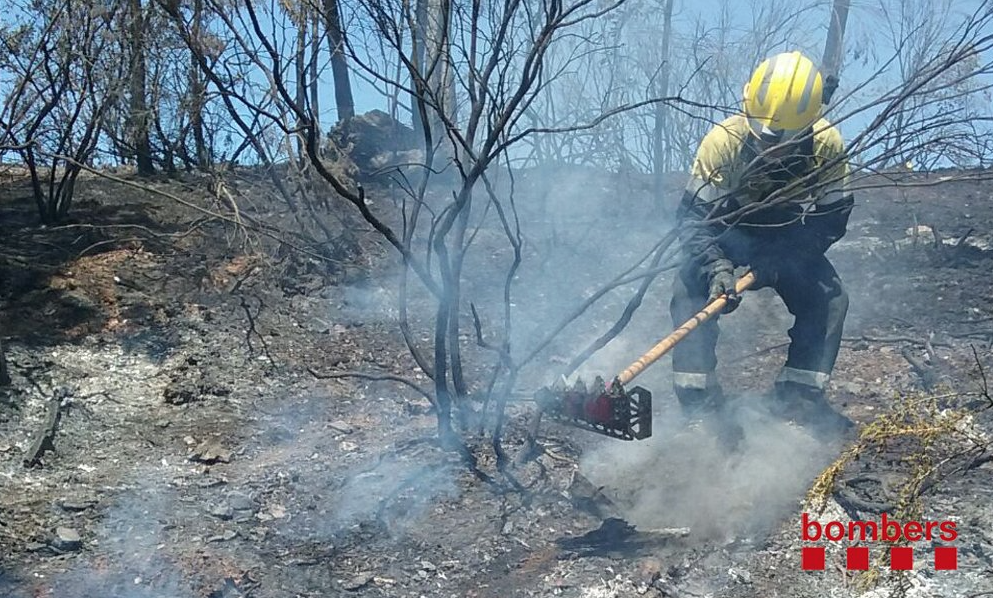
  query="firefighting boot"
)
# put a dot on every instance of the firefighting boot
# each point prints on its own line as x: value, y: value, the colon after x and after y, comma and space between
x: 697, y: 404
x: 708, y: 411
x: 808, y: 408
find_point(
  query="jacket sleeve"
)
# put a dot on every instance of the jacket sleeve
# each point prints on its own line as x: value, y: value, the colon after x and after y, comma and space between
x: 701, y: 202
x: 827, y: 222
x: 706, y: 198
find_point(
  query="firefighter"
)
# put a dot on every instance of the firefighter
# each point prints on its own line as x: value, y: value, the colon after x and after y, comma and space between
x: 771, y: 184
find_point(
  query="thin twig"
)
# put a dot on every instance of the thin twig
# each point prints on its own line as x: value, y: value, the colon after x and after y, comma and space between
x: 768, y: 349
x: 890, y: 340
x: 373, y: 377
x: 982, y: 375
x: 965, y: 235
x: 252, y: 330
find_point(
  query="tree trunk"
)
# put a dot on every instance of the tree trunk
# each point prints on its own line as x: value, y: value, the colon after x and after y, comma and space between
x: 139, y: 106
x: 197, y: 92
x: 659, y: 141
x: 393, y: 100
x: 438, y: 65
x: 312, y: 69
x: 301, y: 77
x: 834, y: 46
x: 418, y: 60
x: 339, y: 66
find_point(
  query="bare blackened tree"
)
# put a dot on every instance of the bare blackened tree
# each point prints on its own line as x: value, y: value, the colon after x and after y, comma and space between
x: 339, y: 64
x: 164, y: 118
x: 65, y: 78
x: 923, y: 35
x: 198, y: 94
x: 139, y: 121
x: 705, y: 58
x: 248, y: 104
x: 659, y: 155
x: 489, y: 59
x: 500, y: 59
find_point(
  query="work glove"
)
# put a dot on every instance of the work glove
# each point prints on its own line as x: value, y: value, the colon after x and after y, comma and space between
x: 722, y: 283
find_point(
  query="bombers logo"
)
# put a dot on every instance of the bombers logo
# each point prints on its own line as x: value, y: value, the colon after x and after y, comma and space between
x: 886, y: 530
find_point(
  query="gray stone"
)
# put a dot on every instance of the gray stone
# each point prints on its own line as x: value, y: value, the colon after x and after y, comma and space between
x: 341, y: 427
x: 210, y: 452
x: 357, y: 582
x: 224, y: 537
x: 67, y: 539
x: 222, y: 511
x: 240, y: 501
x: 742, y: 576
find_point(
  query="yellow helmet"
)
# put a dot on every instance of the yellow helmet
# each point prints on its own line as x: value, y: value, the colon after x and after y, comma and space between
x: 784, y: 95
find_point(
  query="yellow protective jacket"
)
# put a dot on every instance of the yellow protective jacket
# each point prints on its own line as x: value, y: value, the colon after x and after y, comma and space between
x: 797, y: 204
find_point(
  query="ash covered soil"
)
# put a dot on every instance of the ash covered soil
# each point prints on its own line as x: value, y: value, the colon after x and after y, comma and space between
x: 213, y: 440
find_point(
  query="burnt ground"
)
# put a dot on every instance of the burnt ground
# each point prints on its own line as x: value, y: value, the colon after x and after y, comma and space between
x: 197, y: 454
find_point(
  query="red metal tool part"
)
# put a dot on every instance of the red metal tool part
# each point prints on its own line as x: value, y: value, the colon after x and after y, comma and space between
x: 613, y: 410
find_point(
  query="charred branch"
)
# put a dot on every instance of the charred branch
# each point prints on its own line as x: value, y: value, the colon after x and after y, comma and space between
x: 45, y: 437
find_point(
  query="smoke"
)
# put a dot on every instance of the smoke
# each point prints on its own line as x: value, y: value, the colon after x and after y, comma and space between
x: 297, y: 483
x: 684, y: 477
x: 581, y: 227
x: 323, y: 482
x: 7, y: 585
x: 135, y: 556
x: 368, y: 302
x: 396, y: 494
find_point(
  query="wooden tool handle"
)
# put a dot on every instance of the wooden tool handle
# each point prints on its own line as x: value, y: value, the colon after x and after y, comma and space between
x: 666, y: 344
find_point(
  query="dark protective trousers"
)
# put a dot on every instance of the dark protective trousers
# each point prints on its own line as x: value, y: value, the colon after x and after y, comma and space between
x: 812, y: 292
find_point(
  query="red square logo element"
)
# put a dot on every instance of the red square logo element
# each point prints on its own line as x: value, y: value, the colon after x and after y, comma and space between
x: 812, y: 558
x: 857, y: 558
x: 901, y: 558
x: 946, y: 558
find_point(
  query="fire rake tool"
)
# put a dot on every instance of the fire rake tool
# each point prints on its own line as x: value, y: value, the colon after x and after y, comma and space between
x: 613, y: 410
